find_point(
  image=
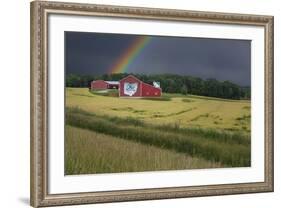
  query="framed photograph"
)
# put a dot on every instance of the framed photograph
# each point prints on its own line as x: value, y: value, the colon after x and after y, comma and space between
x: 142, y: 103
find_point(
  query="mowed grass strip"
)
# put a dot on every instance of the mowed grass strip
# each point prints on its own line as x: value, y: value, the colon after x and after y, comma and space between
x: 88, y: 152
x: 234, y: 155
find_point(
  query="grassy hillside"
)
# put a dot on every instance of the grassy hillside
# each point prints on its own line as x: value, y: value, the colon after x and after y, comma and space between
x: 179, y: 110
x: 90, y: 152
x: 225, y: 149
x: 107, y: 134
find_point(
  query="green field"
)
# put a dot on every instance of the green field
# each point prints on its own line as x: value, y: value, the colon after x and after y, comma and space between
x: 110, y: 134
x: 91, y: 152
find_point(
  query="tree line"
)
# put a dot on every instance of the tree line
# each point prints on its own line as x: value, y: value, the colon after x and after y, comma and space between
x: 172, y: 83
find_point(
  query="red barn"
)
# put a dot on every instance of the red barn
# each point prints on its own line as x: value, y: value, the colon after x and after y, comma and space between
x: 98, y: 85
x: 131, y: 86
x: 103, y: 85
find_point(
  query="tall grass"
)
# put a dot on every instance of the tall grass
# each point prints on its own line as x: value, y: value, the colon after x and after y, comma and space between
x: 88, y: 152
x: 219, y: 135
x: 195, y: 144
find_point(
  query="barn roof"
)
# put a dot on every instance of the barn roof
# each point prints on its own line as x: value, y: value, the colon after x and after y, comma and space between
x: 98, y: 80
x: 151, y: 86
x: 112, y: 82
x: 130, y: 75
x: 108, y: 82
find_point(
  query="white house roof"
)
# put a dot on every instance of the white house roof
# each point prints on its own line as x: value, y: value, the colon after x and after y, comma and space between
x: 112, y: 82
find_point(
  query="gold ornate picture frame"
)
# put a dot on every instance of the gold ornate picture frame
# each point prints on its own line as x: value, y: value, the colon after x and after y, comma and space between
x: 40, y: 89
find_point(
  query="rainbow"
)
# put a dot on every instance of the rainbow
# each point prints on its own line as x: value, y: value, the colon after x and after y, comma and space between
x: 123, y: 62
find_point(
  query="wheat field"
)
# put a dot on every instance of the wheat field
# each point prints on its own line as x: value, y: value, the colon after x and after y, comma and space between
x: 184, y: 111
x: 107, y: 134
x: 88, y: 152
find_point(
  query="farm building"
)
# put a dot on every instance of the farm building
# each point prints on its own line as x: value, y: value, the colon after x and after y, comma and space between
x: 131, y: 86
x: 103, y: 85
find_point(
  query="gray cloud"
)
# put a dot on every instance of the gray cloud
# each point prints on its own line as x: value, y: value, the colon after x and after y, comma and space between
x: 222, y: 59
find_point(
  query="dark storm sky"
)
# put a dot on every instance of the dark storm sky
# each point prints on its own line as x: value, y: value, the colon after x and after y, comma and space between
x: 95, y: 53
